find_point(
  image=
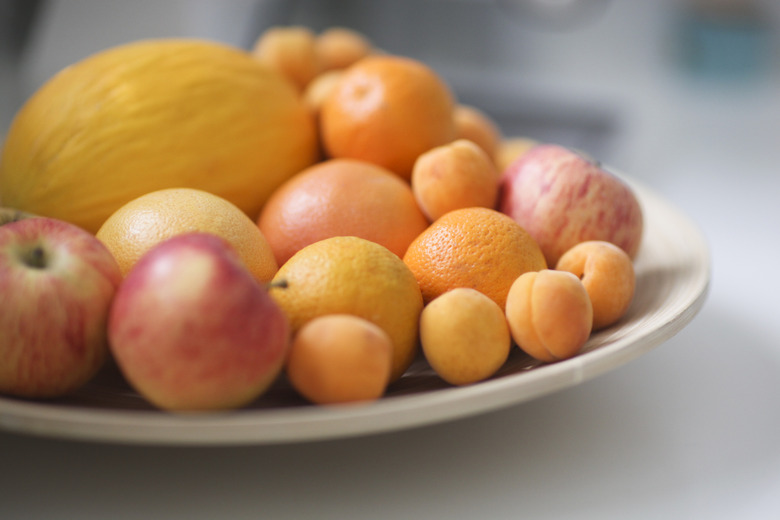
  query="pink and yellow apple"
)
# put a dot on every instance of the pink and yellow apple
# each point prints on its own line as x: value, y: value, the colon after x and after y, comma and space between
x: 191, y: 329
x: 563, y: 198
x: 56, y: 286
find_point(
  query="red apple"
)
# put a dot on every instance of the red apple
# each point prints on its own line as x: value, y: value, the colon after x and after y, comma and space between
x: 563, y: 198
x: 191, y: 329
x: 56, y: 286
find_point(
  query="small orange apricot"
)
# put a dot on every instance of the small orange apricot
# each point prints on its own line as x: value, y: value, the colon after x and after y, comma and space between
x: 464, y: 336
x: 290, y: 51
x: 511, y: 149
x: 319, y: 88
x: 340, y: 358
x: 454, y: 176
x: 339, y: 47
x: 549, y: 314
x: 475, y: 125
x: 608, y: 275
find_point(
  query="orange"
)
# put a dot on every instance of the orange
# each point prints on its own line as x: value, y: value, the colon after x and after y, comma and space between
x: 148, y: 220
x: 339, y: 47
x: 475, y: 125
x: 291, y: 51
x: 387, y: 110
x: 150, y: 115
x: 351, y: 275
x: 477, y: 248
x: 341, y: 197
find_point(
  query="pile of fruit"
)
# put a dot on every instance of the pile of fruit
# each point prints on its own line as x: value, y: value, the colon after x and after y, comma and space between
x: 211, y: 219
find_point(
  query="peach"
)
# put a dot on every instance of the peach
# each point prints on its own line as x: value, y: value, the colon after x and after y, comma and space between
x: 563, y: 198
x: 549, y: 314
x: 340, y: 358
x: 608, y: 275
x: 464, y: 336
x: 292, y: 52
x: 475, y: 125
x: 454, y: 176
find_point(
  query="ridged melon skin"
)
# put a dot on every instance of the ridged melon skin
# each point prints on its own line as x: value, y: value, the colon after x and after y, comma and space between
x: 150, y: 115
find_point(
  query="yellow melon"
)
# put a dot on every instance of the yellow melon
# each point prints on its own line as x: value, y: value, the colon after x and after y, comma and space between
x: 150, y: 115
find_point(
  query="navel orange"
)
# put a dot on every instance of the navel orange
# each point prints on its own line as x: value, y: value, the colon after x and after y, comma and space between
x: 387, y: 110
x: 476, y: 248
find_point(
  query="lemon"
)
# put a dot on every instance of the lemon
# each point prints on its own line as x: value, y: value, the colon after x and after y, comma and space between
x: 351, y: 275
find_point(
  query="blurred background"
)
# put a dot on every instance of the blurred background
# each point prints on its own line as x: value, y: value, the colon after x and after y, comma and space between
x: 604, y: 75
x: 683, y: 95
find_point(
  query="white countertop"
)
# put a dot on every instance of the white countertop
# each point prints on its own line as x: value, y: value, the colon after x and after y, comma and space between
x: 690, y: 430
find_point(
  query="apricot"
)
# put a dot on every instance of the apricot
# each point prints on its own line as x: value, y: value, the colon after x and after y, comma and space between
x: 549, y: 314
x: 291, y: 51
x: 454, y: 176
x: 339, y: 47
x: 607, y: 273
x: 464, y: 336
x: 319, y: 88
x: 475, y: 125
x: 340, y: 358
x: 511, y: 149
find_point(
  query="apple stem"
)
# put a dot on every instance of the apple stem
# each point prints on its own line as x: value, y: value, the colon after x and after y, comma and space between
x: 277, y: 284
x: 589, y: 158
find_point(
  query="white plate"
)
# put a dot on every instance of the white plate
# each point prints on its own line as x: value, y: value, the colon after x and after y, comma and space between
x: 673, y: 271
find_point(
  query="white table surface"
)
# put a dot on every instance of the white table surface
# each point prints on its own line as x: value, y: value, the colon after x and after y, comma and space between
x: 690, y: 430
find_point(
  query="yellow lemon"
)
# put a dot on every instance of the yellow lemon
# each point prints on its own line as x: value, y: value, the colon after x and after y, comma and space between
x: 351, y: 275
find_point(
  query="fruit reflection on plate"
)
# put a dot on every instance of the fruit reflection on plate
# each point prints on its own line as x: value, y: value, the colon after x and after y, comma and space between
x: 673, y: 273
